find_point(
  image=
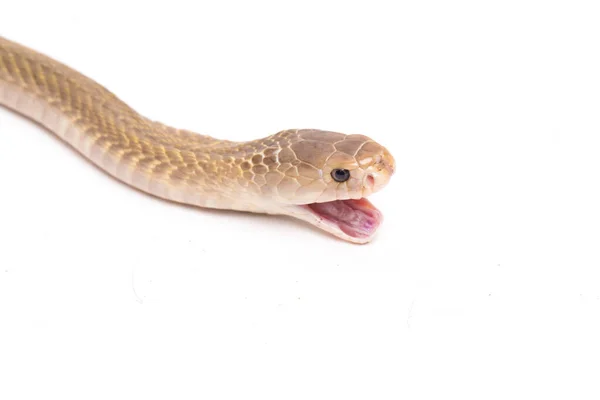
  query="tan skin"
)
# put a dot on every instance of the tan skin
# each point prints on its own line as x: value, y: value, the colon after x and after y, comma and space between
x: 317, y: 176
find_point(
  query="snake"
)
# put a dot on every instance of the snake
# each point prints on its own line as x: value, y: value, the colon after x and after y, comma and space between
x: 318, y: 176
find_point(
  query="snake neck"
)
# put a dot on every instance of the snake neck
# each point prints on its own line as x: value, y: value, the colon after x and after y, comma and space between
x: 170, y: 163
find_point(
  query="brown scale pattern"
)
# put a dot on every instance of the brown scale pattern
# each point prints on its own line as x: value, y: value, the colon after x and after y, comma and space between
x: 292, y: 165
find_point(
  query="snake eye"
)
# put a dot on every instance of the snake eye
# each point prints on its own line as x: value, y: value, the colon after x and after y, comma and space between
x: 340, y: 175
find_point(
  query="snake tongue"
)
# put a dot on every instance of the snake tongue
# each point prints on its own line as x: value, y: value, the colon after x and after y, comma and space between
x: 356, y: 218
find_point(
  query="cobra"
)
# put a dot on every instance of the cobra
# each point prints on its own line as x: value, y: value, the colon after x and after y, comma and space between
x: 320, y: 177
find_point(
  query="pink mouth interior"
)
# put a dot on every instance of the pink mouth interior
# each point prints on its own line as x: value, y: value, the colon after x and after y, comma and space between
x: 356, y: 218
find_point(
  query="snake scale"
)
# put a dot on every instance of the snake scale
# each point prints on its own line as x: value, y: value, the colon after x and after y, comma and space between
x: 317, y: 176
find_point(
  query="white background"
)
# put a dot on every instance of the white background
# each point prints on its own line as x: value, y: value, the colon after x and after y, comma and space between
x: 482, y: 283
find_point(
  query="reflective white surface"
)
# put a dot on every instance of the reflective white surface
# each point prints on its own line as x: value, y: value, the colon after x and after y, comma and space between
x: 482, y: 282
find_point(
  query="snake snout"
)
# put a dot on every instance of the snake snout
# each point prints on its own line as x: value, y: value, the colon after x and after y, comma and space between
x: 388, y: 163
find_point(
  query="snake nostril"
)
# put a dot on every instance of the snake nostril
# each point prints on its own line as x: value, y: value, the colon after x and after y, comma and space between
x: 370, y: 181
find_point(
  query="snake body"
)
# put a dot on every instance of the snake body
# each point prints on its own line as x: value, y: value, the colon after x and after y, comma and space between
x: 289, y: 173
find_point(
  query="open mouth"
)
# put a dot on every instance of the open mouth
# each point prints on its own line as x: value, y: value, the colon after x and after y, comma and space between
x: 353, y: 220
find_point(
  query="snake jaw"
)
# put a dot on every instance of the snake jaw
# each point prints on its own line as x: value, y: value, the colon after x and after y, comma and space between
x: 344, y: 211
x: 353, y: 220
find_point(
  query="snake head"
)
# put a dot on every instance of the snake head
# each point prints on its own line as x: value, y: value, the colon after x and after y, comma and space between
x: 327, y: 177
